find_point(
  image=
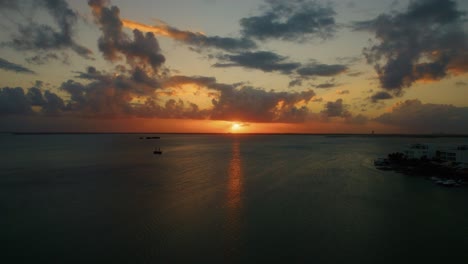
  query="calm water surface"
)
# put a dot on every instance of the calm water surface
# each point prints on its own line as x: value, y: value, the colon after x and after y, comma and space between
x: 222, y: 198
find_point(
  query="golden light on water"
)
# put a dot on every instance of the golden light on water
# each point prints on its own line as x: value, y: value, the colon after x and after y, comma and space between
x: 234, y: 201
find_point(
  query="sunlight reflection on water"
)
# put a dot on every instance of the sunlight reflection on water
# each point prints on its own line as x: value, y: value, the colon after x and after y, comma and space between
x: 233, y: 200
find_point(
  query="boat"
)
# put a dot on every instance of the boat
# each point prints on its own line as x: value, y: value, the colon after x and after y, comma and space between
x: 157, y: 151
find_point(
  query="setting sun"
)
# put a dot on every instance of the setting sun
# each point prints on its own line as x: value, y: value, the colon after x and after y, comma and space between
x: 235, y: 127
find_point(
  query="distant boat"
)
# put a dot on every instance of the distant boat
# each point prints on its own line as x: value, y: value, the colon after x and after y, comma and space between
x: 152, y: 137
x: 157, y: 151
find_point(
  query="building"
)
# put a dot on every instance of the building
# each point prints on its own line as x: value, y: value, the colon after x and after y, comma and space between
x: 419, y: 151
x: 457, y: 154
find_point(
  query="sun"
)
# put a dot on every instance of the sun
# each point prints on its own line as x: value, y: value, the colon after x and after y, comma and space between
x: 235, y: 127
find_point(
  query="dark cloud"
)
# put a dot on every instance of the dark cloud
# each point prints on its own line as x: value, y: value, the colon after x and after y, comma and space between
x: 380, y: 96
x: 141, y: 51
x: 295, y: 82
x: 336, y: 109
x: 316, y: 69
x: 35, y: 97
x: 426, y: 42
x: 13, y: 101
x: 33, y: 36
x: 10, y: 66
x: 107, y: 94
x: 262, y: 60
x: 54, y: 104
x: 268, y: 61
x: 290, y: 20
x: 198, y: 40
x: 416, y: 117
x: 326, y: 85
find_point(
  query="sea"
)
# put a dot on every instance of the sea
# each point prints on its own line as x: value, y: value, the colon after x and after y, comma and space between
x: 222, y: 198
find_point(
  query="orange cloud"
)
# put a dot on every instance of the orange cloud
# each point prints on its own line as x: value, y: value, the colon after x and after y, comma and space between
x: 162, y: 30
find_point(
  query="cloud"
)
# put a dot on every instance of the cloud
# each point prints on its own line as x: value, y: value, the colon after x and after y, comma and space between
x: 426, y: 42
x: 113, y: 96
x: 45, y: 58
x: 336, y: 109
x: 10, y: 66
x: 317, y: 69
x: 268, y: 61
x: 33, y: 36
x: 326, y: 85
x: 461, y: 83
x: 416, y: 117
x: 143, y: 50
x: 295, y: 82
x: 380, y: 96
x: 341, y: 92
x: 196, y: 39
x: 108, y: 94
x: 290, y: 20
x: 248, y: 104
x: 13, y: 101
x: 262, y: 60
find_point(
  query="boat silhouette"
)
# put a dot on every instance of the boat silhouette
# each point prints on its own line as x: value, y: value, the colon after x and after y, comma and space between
x: 157, y: 151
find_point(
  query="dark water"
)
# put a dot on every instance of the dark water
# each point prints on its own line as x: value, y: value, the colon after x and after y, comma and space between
x: 222, y: 198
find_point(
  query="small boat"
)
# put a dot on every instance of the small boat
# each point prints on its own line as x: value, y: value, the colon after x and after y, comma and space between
x: 157, y: 151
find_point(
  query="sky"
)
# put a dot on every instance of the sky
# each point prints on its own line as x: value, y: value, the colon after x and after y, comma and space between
x: 220, y: 66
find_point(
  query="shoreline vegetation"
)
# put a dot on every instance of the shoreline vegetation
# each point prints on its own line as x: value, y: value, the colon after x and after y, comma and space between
x: 444, y: 173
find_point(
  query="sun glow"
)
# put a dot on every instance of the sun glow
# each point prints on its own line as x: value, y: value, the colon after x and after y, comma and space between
x: 235, y: 127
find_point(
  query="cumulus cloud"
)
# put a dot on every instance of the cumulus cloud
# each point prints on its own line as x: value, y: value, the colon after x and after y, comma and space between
x: 339, y: 110
x: 290, y: 20
x: 336, y: 109
x: 107, y: 94
x: 140, y: 51
x: 14, y: 101
x: 426, y: 42
x: 248, y: 104
x: 33, y: 36
x: 417, y: 117
x: 111, y: 96
x: 10, y: 66
x: 196, y: 39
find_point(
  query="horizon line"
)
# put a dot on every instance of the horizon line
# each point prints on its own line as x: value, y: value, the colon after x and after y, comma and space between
x: 229, y: 133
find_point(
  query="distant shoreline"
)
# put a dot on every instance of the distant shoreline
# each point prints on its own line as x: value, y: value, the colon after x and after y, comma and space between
x: 241, y: 134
